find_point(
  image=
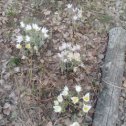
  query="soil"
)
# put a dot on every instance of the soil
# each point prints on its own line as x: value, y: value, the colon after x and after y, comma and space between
x: 29, y: 87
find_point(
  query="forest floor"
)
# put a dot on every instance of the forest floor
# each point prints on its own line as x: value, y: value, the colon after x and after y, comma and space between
x: 28, y: 87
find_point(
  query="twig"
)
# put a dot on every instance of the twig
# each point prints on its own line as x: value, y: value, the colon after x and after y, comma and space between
x: 112, y: 84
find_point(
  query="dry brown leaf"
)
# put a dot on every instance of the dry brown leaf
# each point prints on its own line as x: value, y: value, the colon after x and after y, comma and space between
x: 49, y: 124
x: 7, y: 108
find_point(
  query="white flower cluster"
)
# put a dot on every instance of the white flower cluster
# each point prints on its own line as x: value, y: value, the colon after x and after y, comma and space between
x: 57, y: 107
x: 31, y: 30
x: 78, y: 88
x: 69, y: 53
x: 34, y: 27
x: 77, y: 13
x: 58, y: 104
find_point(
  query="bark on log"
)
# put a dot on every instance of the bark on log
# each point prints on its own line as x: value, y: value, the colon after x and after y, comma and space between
x: 106, y: 112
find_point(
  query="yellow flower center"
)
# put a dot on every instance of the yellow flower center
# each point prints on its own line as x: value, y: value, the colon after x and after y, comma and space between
x: 86, y: 99
x: 86, y: 108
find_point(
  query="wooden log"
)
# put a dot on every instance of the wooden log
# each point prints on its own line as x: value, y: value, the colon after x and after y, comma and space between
x: 106, y: 112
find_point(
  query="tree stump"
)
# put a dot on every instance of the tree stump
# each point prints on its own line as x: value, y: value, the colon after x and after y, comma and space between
x: 106, y: 112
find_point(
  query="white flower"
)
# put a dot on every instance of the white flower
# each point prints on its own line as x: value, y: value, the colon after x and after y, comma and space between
x: 75, y: 69
x: 28, y: 27
x: 56, y: 13
x: 46, y: 35
x: 75, y: 99
x: 57, y: 108
x: 77, y: 57
x: 70, y: 56
x: 35, y: 27
x: 86, y: 97
x: 60, y: 98
x: 66, y: 88
x: 36, y: 48
x: 22, y: 24
x: 78, y: 88
x: 28, y: 46
x: 69, y: 6
x: 44, y: 30
x: 64, y: 93
x: 18, y: 46
x: 19, y: 39
x: 75, y: 10
x: 23, y: 57
x: 75, y: 124
x: 82, y: 65
x: 27, y: 38
x: 75, y: 17
x: 86, y: 108
x: 56, y: 102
